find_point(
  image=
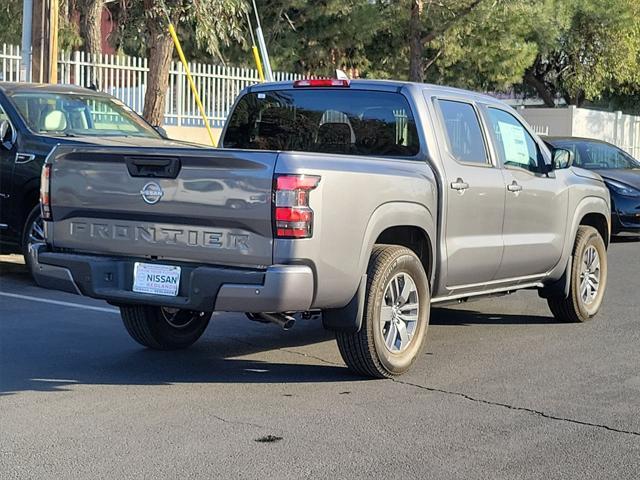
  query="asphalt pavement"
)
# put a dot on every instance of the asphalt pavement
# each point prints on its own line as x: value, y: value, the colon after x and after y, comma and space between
x: 502, y: 391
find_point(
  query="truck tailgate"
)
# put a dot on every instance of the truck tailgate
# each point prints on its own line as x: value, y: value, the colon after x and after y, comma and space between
x: 198, y: 205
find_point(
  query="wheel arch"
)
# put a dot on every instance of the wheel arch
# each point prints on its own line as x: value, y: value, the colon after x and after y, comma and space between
x: 411, y: 225
x: 600, y: 223
x: 415, y: 239
x: 591, y: 211
x: 397, y: 223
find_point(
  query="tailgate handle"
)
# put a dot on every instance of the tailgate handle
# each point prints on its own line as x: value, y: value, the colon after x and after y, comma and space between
x: 153, y: 167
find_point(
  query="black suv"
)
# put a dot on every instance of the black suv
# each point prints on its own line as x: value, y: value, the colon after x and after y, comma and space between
x: 35, y: 118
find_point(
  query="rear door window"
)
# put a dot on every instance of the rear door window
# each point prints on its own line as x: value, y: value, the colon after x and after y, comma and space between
x: 466, y: 142
x: 344, y: 121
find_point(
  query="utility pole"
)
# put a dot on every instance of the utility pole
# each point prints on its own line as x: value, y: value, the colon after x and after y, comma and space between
x: 54, y: 7
x: 263, y: 46
x: 44, y: 41
x: 27, y: 21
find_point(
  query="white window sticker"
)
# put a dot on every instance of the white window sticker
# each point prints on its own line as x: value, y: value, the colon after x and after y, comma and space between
x: 515, y: 143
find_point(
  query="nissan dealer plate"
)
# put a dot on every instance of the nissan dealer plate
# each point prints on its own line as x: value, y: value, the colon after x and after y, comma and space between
x: 156, y: 279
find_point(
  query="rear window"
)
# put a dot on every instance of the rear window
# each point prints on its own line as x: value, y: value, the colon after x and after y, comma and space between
x: 326, y: 121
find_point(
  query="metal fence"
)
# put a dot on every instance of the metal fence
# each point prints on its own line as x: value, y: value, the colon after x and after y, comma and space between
x: 126, y: 78
x: 9, y: 63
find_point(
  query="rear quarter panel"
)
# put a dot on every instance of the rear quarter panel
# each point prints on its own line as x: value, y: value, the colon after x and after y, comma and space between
x: 356, y: 200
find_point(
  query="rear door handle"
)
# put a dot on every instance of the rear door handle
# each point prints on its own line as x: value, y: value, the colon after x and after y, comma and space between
x: 514, y: 187
x: 459, y: 185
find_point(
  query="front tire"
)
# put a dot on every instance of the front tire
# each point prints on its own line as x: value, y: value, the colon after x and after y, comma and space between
x: 588, y: 279
x: 162, y: 328
x: 395, y: 317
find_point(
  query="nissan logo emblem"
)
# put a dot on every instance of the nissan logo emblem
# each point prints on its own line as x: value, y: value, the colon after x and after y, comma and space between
x: 151, y: 193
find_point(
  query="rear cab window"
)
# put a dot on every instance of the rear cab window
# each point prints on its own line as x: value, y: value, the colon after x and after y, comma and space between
x: 342, y: 121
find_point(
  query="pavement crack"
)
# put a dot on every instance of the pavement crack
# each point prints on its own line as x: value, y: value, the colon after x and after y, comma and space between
x: 517, y: 408
x: 237, y: 422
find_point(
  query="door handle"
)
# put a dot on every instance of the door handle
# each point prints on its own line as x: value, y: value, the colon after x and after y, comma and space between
x: 514, y: 187
x: 459, y: 185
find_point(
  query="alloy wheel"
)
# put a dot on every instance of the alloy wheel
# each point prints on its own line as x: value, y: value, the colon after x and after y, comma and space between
x: 399, y: 312
x: 590, y: 275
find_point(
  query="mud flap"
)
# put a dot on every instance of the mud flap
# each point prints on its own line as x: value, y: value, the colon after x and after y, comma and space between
x: 561, y: 287
x: 349, y: 317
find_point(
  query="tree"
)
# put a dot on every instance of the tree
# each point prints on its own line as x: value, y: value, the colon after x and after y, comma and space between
x: 144, y: 29
x: 10, y: 21
x: 427, y: 23
x: 594, y: 47
x: 489, y: 50
x: 315, y: 38
x: 90, y: 24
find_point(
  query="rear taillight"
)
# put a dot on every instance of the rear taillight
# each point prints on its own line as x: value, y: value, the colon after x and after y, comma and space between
x: 321, y: 82
x: 45, y: 192
x: 292, y: 215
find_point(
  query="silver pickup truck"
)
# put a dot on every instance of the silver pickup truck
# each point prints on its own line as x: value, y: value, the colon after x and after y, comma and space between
x: 365, y: 201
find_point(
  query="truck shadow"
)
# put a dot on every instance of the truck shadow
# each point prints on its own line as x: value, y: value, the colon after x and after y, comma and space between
x: 13, y: 269
x: 459, y: 317
x: 50, y: 348
x: 77, y: 355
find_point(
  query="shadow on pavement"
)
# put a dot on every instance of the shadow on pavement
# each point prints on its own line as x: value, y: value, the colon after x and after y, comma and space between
x: 13, y: 269
x: 626, y: 239
x: 444, y: 316
x: 103, y: 354
x: 47, y: 348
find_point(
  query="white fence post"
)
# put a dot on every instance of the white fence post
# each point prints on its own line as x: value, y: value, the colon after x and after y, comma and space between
x: 179, y: 94
x: 76, y: 68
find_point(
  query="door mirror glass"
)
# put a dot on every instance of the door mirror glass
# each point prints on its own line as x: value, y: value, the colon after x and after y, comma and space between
x: 562, y: 158
x: 6, y: 134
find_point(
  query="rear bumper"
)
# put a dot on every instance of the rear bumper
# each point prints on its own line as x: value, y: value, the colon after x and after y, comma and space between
x: 279, y: 288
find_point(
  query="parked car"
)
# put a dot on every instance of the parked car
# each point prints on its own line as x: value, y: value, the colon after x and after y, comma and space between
x: 33, y: 119
x: 621, y: 173
x: 370, y: 201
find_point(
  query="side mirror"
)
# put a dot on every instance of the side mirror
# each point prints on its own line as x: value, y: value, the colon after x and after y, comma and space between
x: 6, y: 135
x: 562, y: 158
x: 161, y: 131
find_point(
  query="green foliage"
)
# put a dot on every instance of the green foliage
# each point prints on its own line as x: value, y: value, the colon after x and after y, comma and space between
x: 69, y: 38
x: 596, y: 47
x: 11, y: 26
x: 312, y: 37
x: 488, y: 50
x: 218, y: 23
x: 10, y: 21
x: 580, y: 50
x: 204, y: 26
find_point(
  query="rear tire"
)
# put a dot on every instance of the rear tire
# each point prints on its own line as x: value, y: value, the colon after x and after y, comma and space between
x: 161, y: 328
x: 588, y: 279
x: 395, y: 317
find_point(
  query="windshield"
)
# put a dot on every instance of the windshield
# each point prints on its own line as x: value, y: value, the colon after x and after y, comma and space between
x: 599, y: 156
x: 343, y: 121
x: 73, y: 114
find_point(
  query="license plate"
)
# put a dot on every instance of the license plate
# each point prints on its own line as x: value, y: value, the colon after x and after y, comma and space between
x: 156, y: 279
